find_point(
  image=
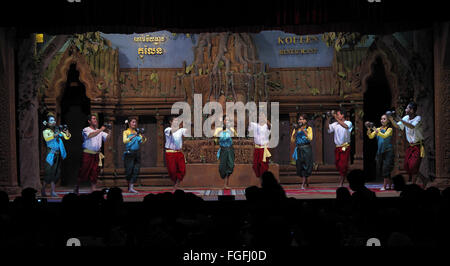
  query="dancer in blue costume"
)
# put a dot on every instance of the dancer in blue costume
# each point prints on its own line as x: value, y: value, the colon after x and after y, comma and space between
x: 55, y: 153
x: 302, y: 136
x: 132, y: 155
x: 385, y: 151
x: 226, y: 151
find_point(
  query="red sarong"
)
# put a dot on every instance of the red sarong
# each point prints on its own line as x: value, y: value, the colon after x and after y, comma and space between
x: 175, y: 165
x: 89, y: 169
x: 341, y: 160
x: 259, y: 167
x: 412, y: 160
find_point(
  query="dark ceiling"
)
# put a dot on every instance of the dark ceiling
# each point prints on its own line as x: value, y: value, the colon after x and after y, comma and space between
x: 301, y: 16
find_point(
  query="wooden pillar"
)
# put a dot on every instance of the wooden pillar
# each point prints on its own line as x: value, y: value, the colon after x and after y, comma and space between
x: 160, y: 139
x: 108, y: 162
x: 292, y: 120
x: 442, y: 102
x: 8, y: 163
x: 318, y: 138
x: 359, y: 138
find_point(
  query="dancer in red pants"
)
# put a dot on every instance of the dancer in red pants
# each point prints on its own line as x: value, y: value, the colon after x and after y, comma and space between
x: 261, y: 154
x: 342, y: 129
x: 92, y: 144
x: 175, y: 161
x: 412, y: 124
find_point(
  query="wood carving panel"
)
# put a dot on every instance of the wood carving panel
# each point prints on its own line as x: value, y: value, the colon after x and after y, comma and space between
x: 150, y: 82
x: 205, y: 150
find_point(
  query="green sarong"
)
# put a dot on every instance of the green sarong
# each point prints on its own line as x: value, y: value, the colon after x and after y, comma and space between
x: 226, y: 158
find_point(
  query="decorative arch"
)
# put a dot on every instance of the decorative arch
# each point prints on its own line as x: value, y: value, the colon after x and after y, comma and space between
x: 367, y: 71
x: 58, y: 84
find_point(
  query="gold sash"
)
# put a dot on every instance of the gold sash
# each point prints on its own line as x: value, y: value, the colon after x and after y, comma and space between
x: 100, y: 156
x: 266, y: 151
x: 343, y: 146
x: 168, y: 150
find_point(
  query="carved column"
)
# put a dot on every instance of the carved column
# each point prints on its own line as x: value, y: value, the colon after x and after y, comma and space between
x: 160, y: 141
x: 108, y: 162
x: 359, y: 138
x: 292, y: 120
x: 318, y: 138
x: 441, y: 103
x: 8, y: 168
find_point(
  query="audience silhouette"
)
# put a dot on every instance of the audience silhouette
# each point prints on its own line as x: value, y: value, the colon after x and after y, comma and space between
x: 266, y: 219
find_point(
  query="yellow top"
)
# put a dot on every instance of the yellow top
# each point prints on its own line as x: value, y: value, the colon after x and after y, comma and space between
x: 372, y: 134
x: 309, y: 134
x: 49, y: 134
x: 129, y: 131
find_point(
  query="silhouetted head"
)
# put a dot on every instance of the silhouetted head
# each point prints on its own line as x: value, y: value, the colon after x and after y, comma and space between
x: 268, y: 180
x: 399, y: 182
x: 179, y: 195
x: 342, y: 193
x: 114, y: 194
x: 252, y: 193
x: 356, y: 179
x: 29, y: 196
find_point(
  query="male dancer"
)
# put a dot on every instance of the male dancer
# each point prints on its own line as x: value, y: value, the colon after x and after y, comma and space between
x: 412, y: 124
x: 55, y: 154
x: 261, y: 132
x: 175, y: 160
x: 92, y: 144
x: 342, y: 129
x: 132, y: 154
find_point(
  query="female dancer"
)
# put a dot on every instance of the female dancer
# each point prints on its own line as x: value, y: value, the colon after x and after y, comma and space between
x: 385, y: 152
x: 302, y: 135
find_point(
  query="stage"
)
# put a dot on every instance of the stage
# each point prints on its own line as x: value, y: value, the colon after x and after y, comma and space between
x: 315, y: 191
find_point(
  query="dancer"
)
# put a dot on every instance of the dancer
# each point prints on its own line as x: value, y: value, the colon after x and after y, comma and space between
x: 91, y: 158
x: 226, y: 151
x: 55, y: 153
x: 175, y: 161
x: 385, y: 153
x: 302, y: 136
x: 412, y: 124
x: 261, y: 132
x: 342, y: 129
x: 132, y: 155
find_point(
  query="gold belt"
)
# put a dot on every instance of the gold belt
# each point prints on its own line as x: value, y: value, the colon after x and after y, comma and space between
x: 343, y: 146
x: 266, y: 151
x: 168, y: 150
x: 89, y: 151
x: 100, y: 156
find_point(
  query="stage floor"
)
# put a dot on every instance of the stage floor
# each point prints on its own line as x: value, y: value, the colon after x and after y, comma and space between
x: 315, y: 191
